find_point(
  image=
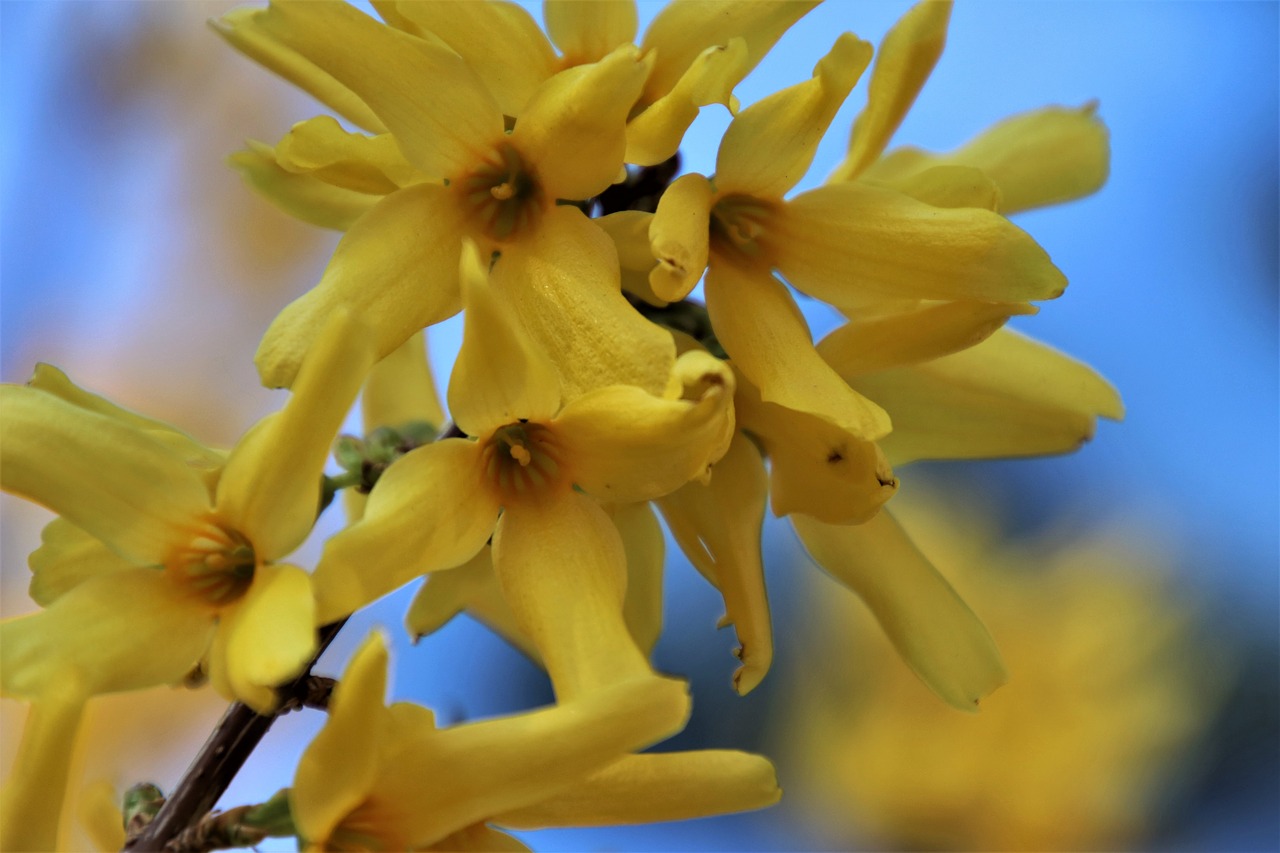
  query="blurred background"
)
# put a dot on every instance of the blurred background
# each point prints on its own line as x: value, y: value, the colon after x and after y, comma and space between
x: 1133, y: 586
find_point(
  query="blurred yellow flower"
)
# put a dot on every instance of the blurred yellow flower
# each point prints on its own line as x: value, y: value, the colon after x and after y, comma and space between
x: 1107, y: 689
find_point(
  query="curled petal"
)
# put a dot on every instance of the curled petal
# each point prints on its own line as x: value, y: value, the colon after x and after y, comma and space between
x: 396, y: 270
x: 585, y: 30
x: 442, y: 127
x: 1008, y: 396
x: 123, y: 631
x: 107, y: 477
x: 243, y: 29
x: 573, y: 130
x: 490, y: 767
x: 501, y: 376
x: 936, y: 633
x: 66, y: 558
x: 657, y: 787
x: 564, y: 287
x: 931, y: 332
x: 400, y: 389
x: 817, y: 468
x: 655, y: 134
x: 429, y: 511
x: 269, y: 635
x: 683, y: 31
x: 366, y: 164
x: 841, y: 239
x: 907, y: 56
x: 717, y: 525
x: 1046, y: 156
x: 679, y: 236
x: 770, y: 145
x: 337, y: 771
x: 474, y: 31
x: 760, y: 326
x: 32, y: 799
x: 303, y: 196
x: 622, y: 444
x: 562, y: 568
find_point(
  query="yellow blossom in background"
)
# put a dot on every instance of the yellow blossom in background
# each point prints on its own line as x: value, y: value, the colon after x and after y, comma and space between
x: 1109, y: 687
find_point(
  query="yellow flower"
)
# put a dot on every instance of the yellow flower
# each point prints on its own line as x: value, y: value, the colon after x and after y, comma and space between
x: 843, y: 243
x: 1109, y: 687
x: 150, y: 566
x: 384, y: 778
x: 465, y: 175
x: 544, y: 461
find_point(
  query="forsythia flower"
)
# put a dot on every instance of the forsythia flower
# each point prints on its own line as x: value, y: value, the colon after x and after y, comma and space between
x: 379, y: 777
x: 557, y: 554
x: 157, y: 562
x: 1110, y: 687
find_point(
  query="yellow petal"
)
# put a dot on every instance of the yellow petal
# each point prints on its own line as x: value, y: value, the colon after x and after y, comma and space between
x: 587, y: 30
x: 682, y: 31
x: 770, y: 145
x: 845, y: 238
x: 304, y: 196
x: 107, y: 477
x: 500, y: 375
x: 561, y: 567
x: 643, y: 544
x: 270, y: 489
x: 460, y: 776
x: 66, y: 558
x: 336, y: 772
x: 817, y: 467
x: 679, y: 236
x: 1037, y: 158
x: 401, y: 389
x: 31, y: 801
x: 951, y: 186
x: 270, y: 634
x: 243, y: 29
x: 429, y: 511
x: 564, y: 287
x: 442, y: 115
x: 657, y: 787
x: 396, y: 270
x: 906, y: 58
x: 123, y: 631
x: 501, y: 43
x: 622, y: 444
x: 717, y: 525
x: 472, y: 587
x: 933, y: 331
x: 1008, y: 396
x: 629, y: 230
x: 478, y: 837
x: 366, y: 164
x: 655, y: 134
x: 573, y: 131
x: 99, y: 812
x: 936, y: 633
x: 761, y: 328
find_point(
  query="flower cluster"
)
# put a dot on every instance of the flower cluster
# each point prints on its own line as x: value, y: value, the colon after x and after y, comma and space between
x: 533, y: 188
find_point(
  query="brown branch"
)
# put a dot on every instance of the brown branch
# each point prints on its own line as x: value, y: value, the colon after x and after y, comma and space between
x: 220, y: 759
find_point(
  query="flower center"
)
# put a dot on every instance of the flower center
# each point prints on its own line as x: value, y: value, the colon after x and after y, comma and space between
x: 737, y: 224
x: 216, y: 565
x: 503, y: 195
x: 521, y: 459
